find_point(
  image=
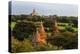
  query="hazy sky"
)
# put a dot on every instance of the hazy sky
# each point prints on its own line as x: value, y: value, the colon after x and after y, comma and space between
x: 19, y: 7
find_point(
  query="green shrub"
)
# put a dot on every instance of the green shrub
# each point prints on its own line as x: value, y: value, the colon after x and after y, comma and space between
x: 62, y: 30
x: 23, y: 30
x: 21, y: 46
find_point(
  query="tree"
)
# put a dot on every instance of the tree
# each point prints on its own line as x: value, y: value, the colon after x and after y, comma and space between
x: 58, y: 41
x: 75, y: 22
x: 69, y: 27
x: 72, y: 42
x: 48, y: 23
x: 13, y: 18
x: 37, y: 18
x: 23, y: 30
x: 18, y: 46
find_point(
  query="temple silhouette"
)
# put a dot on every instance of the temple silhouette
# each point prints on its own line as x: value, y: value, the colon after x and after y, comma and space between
x: 34, y: 13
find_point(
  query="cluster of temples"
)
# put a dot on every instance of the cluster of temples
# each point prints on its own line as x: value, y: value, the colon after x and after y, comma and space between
x: 40, y: 36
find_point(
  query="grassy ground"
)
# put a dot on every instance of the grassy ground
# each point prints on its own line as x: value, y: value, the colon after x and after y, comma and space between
x: 63, y: 24
x: 13, y: 25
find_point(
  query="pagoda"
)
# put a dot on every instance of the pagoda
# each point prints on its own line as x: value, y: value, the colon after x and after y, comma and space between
x: 55, y: 28
x: 40, y: 36
x: 34, y: 13
x: 42, y: 33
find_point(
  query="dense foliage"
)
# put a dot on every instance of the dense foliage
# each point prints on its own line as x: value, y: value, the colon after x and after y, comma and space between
x: 24, y: 26
x: 23, y: 30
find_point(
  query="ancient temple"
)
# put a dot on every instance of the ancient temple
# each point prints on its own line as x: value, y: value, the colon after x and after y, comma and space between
x: 34, y: 13
x: 55, y: 27
x: 39, y: 36
x: 35, y: 39
x: 42, y: 33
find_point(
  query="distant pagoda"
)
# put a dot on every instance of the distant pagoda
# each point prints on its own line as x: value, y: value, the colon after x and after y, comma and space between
x: 34, y: 13
x: 55, y: 28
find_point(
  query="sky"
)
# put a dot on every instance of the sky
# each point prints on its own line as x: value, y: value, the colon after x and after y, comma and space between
x: 23, y: 7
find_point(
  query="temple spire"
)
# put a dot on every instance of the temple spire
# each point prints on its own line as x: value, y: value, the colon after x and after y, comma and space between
x: 40, y: 35
x: 55, y: 27
x: 34, y: 12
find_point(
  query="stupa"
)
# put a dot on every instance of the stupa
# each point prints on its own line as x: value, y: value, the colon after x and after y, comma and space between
x: 42, y: 33
x: 55, y: 28
x: 40, y: 36
x: 34, y: 13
